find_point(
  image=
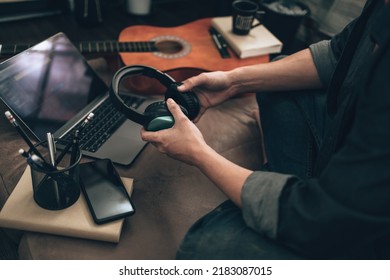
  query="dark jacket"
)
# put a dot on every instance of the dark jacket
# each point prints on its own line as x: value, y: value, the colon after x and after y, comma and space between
x: 344, y: 212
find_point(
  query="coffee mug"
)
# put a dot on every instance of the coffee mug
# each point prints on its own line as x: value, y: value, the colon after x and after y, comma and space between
x: 139, y: 7
x: 244, y: 13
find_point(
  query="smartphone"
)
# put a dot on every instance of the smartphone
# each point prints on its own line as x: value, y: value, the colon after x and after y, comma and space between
x: 104, y: 191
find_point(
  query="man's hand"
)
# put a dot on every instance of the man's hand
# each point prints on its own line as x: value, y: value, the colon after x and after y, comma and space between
x: 211, y: 88
x: 183, y: 141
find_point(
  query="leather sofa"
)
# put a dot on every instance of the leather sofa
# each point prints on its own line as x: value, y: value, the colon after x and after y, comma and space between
x: 169, y: 195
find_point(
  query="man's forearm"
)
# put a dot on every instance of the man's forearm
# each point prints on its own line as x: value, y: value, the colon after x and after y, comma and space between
x: 226, y: 175
x: 293, y: 72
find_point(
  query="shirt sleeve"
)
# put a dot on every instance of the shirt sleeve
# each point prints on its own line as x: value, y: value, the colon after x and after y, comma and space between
x: 327, y: 53
x: 260, y: 200
x: 324, y: 60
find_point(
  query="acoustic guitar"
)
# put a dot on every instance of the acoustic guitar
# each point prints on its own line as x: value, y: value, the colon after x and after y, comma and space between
x: 186, y: 46
x: 181, y: 51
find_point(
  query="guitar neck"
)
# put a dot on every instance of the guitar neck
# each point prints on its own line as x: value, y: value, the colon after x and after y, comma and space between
x: 115, y: 47
x: 92, y: 47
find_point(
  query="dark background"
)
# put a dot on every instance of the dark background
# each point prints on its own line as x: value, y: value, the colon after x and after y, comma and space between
x: 165, y: 13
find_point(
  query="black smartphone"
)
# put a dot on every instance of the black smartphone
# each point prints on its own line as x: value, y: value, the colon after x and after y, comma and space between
x: 104, y: 191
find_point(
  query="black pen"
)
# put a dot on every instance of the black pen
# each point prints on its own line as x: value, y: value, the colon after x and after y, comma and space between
x: 52, y: 153
x: 70, y: 144
x: 23, y: 153
x: 13, y: 121
x: 36, y: 161
x: 75, y: 148
x: 219, y: 42
x: 52, y: 148
x: 40, y: 164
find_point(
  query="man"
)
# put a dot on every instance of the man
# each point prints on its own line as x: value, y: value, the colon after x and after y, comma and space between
x: 326, y: 191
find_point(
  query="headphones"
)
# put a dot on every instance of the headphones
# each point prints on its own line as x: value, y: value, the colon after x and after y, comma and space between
x: 156, y: 116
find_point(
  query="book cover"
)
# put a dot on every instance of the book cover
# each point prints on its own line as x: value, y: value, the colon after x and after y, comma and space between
x: 21, y: 212
x: 259, y: 41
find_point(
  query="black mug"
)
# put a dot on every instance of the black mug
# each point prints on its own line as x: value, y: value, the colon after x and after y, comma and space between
x: 244, y: 13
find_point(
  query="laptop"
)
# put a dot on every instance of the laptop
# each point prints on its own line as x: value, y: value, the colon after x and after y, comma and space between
x: 50, y: 87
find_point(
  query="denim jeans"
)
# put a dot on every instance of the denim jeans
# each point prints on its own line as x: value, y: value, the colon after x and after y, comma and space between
x: 293, y: 126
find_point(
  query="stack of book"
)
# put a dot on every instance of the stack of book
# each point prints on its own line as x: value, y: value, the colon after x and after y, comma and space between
x: 259, y: 41
x: 22, y: 212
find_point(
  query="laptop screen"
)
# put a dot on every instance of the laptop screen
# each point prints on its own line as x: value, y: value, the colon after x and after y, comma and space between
x: 48, y: 84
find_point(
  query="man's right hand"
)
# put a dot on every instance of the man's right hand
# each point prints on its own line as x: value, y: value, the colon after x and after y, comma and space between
x: 212, y: 88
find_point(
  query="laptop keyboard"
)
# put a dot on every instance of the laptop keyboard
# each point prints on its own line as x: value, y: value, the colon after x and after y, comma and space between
x: 105, y: 121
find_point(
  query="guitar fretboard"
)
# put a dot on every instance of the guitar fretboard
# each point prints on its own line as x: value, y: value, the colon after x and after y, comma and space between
x: 91, y: 47
x: 113, y: 46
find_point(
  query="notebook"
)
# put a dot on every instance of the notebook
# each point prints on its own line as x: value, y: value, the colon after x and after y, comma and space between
x: 259, y: 41
x: 50, y: 87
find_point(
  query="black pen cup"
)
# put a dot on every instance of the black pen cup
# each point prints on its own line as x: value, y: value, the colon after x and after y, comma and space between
x: 55, y: 188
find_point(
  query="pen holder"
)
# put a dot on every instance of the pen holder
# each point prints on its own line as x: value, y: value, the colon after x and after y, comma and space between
x: 55, y: 188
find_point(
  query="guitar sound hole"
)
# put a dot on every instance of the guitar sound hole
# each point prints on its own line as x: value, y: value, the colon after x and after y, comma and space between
x: 169, y: 47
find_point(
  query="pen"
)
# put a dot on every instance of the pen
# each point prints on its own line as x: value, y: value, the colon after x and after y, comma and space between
x: 69, y: 145
x: 37, y: 162
x: 52, y: 152
x: 23, y: 153
x: 13, y: 121
x: 220, y: 43
x: 52, y: 148
x: 75, y: 148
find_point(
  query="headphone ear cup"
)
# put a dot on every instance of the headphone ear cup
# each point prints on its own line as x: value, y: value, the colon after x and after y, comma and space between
x: 159, y: 116
x: 188, y: 100
x: 157, y: 109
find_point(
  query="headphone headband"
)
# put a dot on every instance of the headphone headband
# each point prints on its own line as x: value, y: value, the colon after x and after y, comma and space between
x: 187, y: 100
x: 134, y: 70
